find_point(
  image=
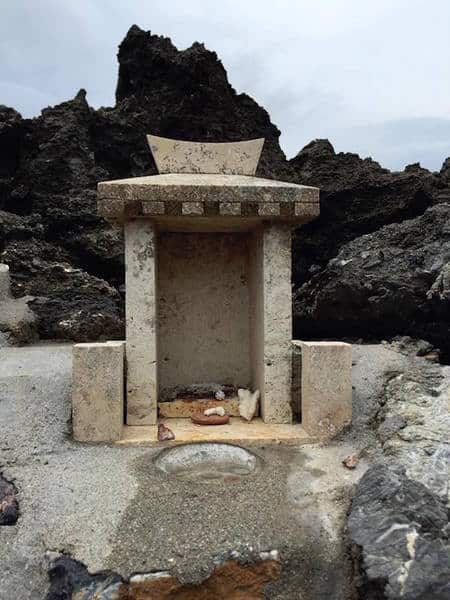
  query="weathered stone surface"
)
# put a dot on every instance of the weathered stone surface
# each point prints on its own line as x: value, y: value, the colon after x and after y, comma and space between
x: 383, y: 283
x: 5, y: 293
x: 413, y: 422
x: 390, y: 426
x: 140, y: 196
x: 141, y: 316
x: 233, y: 158
x: 97, y: 391
x: 271, y: 321
x: 399, y: 526
x: 185, y: 408
x: 203, y: 307
x: 399, y: 519
x: 357, y: 197
x: 326, y: 383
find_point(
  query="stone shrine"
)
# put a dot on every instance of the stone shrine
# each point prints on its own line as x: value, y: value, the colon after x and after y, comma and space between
x: 208, y: 288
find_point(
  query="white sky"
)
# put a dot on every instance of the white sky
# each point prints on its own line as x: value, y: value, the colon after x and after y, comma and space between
x: 373, y: 77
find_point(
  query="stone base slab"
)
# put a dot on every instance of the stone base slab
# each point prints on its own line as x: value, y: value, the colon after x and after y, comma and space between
x: 237, y: 431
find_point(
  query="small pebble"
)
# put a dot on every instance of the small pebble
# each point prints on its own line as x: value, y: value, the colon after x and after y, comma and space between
x: 351, y: 461
x: 165, y: 433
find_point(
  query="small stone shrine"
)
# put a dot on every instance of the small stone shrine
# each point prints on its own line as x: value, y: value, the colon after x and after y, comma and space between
x: 208, y: 295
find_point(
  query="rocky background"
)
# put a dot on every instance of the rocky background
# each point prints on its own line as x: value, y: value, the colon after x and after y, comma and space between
x: 374, y: 265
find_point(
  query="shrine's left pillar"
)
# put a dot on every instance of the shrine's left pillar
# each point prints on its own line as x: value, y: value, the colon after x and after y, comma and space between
x: 141, y: 322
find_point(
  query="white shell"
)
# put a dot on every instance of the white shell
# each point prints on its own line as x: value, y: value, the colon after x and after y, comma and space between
x: 218, y: 410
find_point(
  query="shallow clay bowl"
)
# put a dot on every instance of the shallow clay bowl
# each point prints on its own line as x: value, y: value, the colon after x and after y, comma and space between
x: 201, y: 419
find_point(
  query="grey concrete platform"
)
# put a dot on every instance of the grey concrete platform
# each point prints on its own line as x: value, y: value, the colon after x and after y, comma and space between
x: 109, y: 507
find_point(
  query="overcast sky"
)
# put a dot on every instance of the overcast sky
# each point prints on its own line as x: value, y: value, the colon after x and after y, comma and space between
x: 371, y: 76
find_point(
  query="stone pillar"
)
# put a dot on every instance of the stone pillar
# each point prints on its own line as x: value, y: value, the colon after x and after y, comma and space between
x: 271, y: 322
x: 326, y: 387
x: 97, y: 391
x: 141, y: 322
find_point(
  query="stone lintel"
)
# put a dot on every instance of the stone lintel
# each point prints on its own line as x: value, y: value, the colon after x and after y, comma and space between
x: 98, y: 391
x: 326, y: 387
x: 202, y: 196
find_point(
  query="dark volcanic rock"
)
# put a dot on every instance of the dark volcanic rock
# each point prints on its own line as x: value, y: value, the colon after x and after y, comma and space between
x: 186, y: 95
x: 357, y: 196
x: 56, y: 246
x: 50, y: 165
x: 69, y: 578
x: 9, y: 507
x: 395, y: 279
x: 50, y: 235
x: 399, y: 530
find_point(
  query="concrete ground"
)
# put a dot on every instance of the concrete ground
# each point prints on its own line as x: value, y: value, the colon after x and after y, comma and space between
x: 110, y: 508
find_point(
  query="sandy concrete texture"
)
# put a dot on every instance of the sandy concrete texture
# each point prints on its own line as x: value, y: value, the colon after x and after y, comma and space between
x: 110, y: 508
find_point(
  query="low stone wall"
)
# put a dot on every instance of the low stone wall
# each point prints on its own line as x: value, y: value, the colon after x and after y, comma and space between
x: 323, y: 384
x: 98, y: 391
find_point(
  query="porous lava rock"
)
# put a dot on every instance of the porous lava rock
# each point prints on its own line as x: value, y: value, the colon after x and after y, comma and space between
x: 61, y: 252
x: 394, y: 279
x: 357, y: 196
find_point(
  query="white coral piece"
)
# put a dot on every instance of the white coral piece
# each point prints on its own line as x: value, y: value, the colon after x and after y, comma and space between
x: 248, y: 403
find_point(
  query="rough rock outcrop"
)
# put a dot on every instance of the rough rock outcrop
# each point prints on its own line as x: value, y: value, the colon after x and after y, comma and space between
x: 17, y: 321
x: 399, y: 520
x: 401, y: 529
x: 357, y: 197
x: 394, y: 279
x: 50, y: 236
x: 61, y: 252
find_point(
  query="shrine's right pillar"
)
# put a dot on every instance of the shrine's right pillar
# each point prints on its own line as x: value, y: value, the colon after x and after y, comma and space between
x: 271, y: 320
